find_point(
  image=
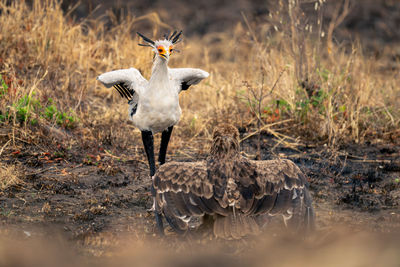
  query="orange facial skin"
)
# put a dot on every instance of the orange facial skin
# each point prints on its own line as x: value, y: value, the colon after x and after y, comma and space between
x: 162, y: 52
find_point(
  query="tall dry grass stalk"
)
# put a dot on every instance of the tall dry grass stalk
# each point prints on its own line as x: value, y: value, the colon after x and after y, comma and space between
x: 44, y: 54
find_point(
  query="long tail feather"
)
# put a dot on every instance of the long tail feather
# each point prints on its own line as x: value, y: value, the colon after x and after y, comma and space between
x: 235, y: 226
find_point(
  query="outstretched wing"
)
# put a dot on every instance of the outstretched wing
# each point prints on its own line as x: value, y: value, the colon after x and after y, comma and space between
x: 276, y: 182
x: 183, y: 191
x: 185, y: 77
x: 282, y: 188
x: 250, y: 188
x: 128, y: 82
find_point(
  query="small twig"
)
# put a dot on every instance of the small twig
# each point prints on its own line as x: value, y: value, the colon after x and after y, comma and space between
x: 277, y: 80
x: 110, y: 155
x: 344, y: 165
x: 263, y: 128
x: 29, y: 143
x: 371, y: 160
x: 280, y: 141
x: 39, y: 172
x: 250, y: 29
x: 72, y: 9
x: 1, y: 151
x: 391, y: 132
x: 389, y: 114
x: 302, y: 156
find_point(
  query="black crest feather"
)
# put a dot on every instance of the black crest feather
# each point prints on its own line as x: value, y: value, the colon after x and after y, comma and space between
x: 176, y: 38
x: 146, y: 39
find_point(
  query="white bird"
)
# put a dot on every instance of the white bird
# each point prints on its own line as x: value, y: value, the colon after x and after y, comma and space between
x: 154, y: 104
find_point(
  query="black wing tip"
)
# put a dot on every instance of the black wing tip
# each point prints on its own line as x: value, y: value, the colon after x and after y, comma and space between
x: 184, y: 86
x: 123, y: 91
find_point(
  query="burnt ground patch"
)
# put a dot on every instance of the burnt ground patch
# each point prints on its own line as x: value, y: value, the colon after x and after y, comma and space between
x: 355, y: 184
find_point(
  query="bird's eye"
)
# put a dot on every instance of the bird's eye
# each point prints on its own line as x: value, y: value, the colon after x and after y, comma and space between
x: 170, y: 49
x: 160, y: 50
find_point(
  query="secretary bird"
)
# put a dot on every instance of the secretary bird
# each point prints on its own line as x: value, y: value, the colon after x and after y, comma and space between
x: 237, y: 192
x: 154, y: 104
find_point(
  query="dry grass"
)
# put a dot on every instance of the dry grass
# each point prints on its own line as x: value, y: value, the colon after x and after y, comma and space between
x: 45, y: 55
x: 9, y: 176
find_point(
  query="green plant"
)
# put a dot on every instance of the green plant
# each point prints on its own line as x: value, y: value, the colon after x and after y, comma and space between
x: 28, y: 105
x: 4, y: 116
x: 25, y: 106
x: 65, y: 119
x: 317, y: 100
x: 50, y: 110
x: 3, y: 87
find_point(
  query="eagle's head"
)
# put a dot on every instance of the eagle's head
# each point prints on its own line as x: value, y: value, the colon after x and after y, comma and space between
x: 225, y: 139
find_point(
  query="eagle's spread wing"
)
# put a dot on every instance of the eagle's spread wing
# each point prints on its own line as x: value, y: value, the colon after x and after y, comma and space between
x: 235, y: 194
x: 277, y: 182
x: 283, y: 190
x: 185, y: 77
x: 183, y: 191
x: 128, y: 82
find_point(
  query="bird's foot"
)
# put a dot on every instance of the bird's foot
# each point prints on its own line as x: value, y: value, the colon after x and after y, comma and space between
x: 153, y: 207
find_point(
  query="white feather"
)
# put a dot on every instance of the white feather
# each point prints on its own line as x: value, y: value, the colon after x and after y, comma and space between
x: 189, y: 75
x: 130, y: 77
x: 156, y: 101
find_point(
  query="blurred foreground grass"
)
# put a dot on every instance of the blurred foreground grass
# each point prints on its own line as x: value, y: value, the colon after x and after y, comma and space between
x: 338, y: 248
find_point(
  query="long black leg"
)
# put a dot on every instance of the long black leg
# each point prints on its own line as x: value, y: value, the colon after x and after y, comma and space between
x: 166, y: 135
x: 148, y: 142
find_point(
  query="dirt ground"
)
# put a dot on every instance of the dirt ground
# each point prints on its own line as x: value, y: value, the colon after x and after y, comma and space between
x: 97, y: 199
x: 89, y: 199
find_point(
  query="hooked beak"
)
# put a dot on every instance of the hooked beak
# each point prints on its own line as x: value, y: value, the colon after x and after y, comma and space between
x: 163, y: 56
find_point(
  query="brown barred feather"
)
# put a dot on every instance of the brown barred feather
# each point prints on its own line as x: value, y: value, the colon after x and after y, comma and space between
x: 195, y: 209
x: 266, y: 204
x: 233, y: 189
x: 282, y: 202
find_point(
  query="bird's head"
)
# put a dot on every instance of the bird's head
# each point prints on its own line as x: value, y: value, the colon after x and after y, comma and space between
x: 163, y: 48
x: 225, y: 140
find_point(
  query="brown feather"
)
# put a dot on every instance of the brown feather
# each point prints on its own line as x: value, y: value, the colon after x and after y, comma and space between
x: 181, y: 205
x: 172, y: 205
x: 177, y: 224
x: 226, y: 180
x: 192, y: 206
x: 202, y: 205
x: 227, y: 226
x: 213, y: 205
x: 265, y: 204
x: 282, y: 202
x: 219, y: 227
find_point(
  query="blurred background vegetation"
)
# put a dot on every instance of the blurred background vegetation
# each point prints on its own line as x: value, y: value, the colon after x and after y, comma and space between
x: 319, y: 71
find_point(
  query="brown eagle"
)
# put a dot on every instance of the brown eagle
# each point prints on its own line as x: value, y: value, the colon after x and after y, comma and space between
x: 237, y: 192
